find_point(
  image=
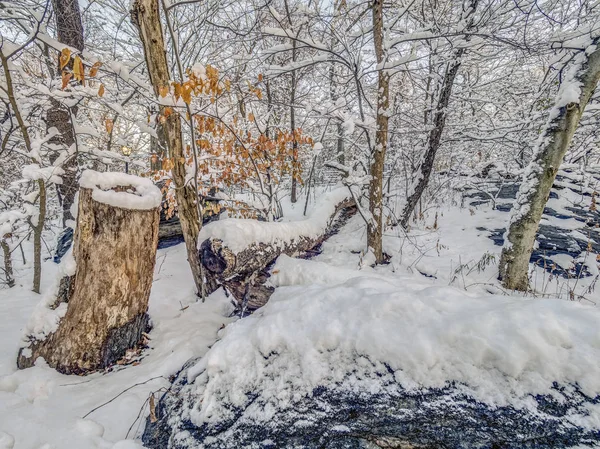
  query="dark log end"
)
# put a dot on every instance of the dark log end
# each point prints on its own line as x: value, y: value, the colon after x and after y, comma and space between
x: 120, y: 339
x: 212, y: 256
x: 24, y: 362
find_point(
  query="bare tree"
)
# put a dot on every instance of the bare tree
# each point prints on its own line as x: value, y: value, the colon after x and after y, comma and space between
x: 69, y: 29
x: 440, y: 113
x: 375, y: 224
x: 145, y: 15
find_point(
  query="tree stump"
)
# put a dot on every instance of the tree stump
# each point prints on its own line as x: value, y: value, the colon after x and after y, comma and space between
x: 115, y: 252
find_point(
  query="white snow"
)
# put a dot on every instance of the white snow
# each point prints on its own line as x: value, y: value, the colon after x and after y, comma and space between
x: 44, y: 319
x: 8, y: 221
x: 145, y: 196
x: 239, y: 234
x: 320, y: 330
x: 48, y: 174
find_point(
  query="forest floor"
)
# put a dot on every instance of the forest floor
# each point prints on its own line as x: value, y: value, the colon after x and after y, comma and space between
x: 40, y: 408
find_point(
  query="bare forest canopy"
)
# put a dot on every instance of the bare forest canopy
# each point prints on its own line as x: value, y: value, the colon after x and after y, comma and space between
x: 267, y: 99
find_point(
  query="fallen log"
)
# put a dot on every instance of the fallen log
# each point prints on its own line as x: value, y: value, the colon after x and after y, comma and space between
x: 236, y: 254
x: 99, y: 308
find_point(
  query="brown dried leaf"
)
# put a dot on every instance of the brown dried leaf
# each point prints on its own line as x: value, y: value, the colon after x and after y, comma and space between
x: 65, y: 56
x: 94, y: 69
x: 66, y: 77
x: 101, y: 90
x: 78, y: 71
x: 108, y: 123
x: 186, y: 93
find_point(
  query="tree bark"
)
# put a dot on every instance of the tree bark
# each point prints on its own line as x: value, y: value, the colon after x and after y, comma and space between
x: 115, y: 252
x: 433, y: 140
x: 243, y: 274
x: 438, y: 121
x: 375, y: 224
x: 535, y: 188
x: 8, y: 269
x: 146, y: 16
x: 69, y: 30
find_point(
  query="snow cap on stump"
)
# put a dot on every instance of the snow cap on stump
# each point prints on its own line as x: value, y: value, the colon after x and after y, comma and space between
x: 141, y: 194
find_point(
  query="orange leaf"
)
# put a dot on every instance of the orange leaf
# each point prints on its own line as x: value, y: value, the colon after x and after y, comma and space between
x: 94, y: 69
x: 108, y: 123
x: 101, y: 90
x: 251, y: 117
x: 78, y: 72
x: 260, y: 77
x: 65, y: 79
x: 65, y: 56
x: 163, y: 91
x: 186, y: 93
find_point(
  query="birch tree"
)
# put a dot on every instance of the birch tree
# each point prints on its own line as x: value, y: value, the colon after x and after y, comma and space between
x: 574, y: 94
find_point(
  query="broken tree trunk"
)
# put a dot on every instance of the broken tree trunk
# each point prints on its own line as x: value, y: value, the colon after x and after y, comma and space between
x: 244, y: 273
x: 114, y: 251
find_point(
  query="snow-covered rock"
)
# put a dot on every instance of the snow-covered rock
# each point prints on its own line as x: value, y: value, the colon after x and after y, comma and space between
x: 375, y: 362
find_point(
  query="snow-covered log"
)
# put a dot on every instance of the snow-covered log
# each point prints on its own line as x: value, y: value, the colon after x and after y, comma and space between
x: 108, y: 281
x: 235, y: 252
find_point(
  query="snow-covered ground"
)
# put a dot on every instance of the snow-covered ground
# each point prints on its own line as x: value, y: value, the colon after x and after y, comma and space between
x: 40, y: 408
x: 436, y: 313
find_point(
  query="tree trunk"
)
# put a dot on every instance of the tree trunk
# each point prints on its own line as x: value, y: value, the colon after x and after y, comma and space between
x: 146, y: 16
x: 69, y: 29
x: 38, y: 228
x: 294, y: 82
x: 433, y: 140
x: 375, y: 224
x: 244, y: 273
x: 8, y: 269
x: 115, y: 252
x: 538, y: 179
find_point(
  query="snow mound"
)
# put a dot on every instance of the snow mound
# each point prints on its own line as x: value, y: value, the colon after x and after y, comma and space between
x: 238, y: 234
x: 503, y: 350
x: 145, y: 196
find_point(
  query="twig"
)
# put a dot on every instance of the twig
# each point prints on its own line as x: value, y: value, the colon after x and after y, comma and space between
x: 125, y: 390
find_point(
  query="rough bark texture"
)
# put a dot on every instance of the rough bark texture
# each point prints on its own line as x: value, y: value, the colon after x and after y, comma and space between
x: 146, y: 16
x: 69, y: 29
x: 375, y: 225
x: 115, y: 252
x: 535, y: 189
x: 244, y: 274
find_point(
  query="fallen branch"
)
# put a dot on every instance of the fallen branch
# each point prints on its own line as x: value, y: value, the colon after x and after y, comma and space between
x: 237, y: 253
